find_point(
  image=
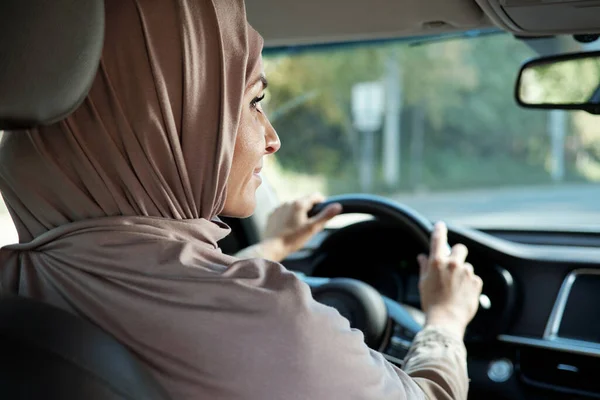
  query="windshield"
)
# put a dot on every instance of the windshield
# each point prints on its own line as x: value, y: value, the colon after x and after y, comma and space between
x: 434, y: 126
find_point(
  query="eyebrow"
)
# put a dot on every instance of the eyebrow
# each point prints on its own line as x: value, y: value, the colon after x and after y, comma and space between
x: 262, y: 79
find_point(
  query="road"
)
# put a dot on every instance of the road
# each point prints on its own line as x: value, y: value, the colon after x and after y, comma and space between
x: 567, y: 206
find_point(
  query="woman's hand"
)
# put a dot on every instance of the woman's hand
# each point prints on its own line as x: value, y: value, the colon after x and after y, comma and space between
x: 289, y: 227
x: 449, y: 288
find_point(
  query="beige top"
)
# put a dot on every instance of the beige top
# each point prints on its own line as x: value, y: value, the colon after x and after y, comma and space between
x: 116, y: 212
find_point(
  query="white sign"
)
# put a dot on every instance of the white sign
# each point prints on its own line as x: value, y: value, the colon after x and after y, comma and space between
x: 368, y: 104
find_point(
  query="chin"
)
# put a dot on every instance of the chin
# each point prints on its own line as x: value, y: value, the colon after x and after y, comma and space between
x: 243, y: 208
x: 247, y: 212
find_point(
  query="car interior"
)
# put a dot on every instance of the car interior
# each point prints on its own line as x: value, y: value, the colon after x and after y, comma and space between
x: 537, y: 332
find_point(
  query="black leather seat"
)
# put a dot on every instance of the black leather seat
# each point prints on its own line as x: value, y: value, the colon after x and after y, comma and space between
x: 49, y: 55
x: 47, y: 353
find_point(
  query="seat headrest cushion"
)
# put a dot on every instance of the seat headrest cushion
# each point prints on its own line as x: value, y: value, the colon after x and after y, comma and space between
x: 49, y: 54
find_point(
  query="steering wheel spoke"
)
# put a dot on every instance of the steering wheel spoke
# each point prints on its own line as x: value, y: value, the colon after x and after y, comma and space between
x: 369, y: 311
x: 387, y: 325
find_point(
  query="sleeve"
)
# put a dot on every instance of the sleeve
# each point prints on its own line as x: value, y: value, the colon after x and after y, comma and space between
x: 249, y: 252
x: 331, y: 361
x: 437, y: 362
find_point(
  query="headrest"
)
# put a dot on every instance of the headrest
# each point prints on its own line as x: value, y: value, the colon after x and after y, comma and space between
x: 49, y: 53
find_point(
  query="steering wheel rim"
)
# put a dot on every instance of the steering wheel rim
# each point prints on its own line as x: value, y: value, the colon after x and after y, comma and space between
x: 410, y: 220
x: 384, y: 209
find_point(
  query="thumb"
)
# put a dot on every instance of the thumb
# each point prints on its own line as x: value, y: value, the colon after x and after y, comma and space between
x: 423, y: 264
x: 319, y: 220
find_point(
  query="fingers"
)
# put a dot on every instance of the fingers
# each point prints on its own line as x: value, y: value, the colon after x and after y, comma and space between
x: 304, y: 204
x: 469, y: 269
x: 475, y: 278
x: 316, y: 198
x: 329, y: 212
x: 458, y: 256
x: 318, y: 221
x: 311, y: 200
x: 439, y: 241
x: 290, y: 221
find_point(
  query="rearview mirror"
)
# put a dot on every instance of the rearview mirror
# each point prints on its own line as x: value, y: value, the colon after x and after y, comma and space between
x: 566, y: 82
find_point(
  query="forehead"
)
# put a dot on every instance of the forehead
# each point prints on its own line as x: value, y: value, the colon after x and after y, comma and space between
x: 255, y: 70
x: 254, y: 67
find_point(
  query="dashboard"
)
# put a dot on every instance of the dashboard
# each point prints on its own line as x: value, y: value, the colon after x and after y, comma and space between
x: 539, y: 339
x: 385, y: 257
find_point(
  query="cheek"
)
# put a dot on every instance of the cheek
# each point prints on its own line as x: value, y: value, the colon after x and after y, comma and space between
x: 249, y: 148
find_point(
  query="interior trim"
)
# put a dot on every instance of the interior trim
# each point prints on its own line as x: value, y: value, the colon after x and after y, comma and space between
x: 284, y: 23
x: 564, y: 345
x: 551, y: 331
x: 543, y: 17
x: 481, y: 241
x: 496, y: 14
x: 550, y: 339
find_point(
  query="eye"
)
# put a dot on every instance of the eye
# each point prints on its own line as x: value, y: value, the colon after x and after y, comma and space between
x: 254, y: 103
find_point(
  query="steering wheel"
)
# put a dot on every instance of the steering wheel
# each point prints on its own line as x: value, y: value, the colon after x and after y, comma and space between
x: 382, y: 320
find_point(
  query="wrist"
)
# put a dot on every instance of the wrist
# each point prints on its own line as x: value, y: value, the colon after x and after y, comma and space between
x: 273, y: 249
x: 447, y: 321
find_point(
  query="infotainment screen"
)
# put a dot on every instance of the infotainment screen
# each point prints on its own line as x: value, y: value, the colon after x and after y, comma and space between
x: 581, y: 318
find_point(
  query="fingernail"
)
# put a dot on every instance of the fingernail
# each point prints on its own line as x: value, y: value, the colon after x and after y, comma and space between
x: 332, y: 210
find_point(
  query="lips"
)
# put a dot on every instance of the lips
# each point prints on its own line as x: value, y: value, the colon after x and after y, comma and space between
x: 256, y: 174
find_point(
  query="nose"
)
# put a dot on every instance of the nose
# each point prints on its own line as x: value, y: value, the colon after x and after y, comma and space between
x: 272, y: 142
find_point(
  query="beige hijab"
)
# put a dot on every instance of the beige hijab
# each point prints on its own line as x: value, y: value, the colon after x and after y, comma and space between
x: 116, y: 212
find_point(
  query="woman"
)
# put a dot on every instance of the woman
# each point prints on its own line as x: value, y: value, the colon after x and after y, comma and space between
x: 116, y: 213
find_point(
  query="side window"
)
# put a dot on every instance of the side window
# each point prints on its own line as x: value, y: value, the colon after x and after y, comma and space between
x: 8, y: 232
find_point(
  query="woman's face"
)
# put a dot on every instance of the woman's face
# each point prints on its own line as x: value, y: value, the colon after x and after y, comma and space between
x: 255, y: 139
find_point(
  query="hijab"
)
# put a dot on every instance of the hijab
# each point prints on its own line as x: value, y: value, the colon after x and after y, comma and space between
x: 116, y: 209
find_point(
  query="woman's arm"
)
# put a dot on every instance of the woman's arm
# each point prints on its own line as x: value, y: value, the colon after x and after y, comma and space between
x: 289, y: 228
x: 319, y: 356
x: 437, y: 362
x: 449, y: 296
x: 323, y: 358
x: 435, y: 367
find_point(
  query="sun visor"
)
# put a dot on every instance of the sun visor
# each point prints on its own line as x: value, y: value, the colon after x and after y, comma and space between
x: 544, y: 17
x: 284, y: 23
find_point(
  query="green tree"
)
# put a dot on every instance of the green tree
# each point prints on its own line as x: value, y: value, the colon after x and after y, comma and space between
x: 474, y: 132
